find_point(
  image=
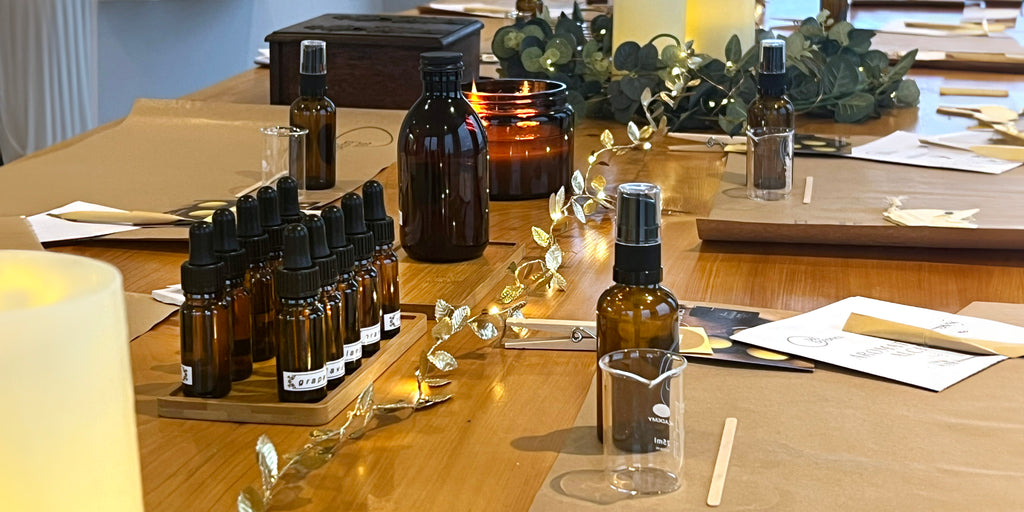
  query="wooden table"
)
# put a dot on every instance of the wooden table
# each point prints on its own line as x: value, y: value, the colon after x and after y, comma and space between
x: 491, y: 446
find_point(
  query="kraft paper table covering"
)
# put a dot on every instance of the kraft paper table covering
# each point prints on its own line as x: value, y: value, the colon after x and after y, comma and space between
x: 830, y: 440
x: 16, y: 233
x: 170, y: 153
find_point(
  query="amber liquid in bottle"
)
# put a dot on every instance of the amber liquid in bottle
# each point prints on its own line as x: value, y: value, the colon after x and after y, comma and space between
x: 259, y: 279
x: 351, y: 342
x: 443, y: 169
x: 241, y: 347
x: 313, y: 111
x: 385, y: 262
x: 369, y: 307
x: 206, y: 345
x: 302, y: 355
x: 327, y: 264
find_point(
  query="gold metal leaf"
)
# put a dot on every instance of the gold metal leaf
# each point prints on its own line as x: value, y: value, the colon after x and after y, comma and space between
x: 484, y: 328
x: 598, y: 183
x: 459, y: 318
x: 646, y: 132
x: 421, y: 372
x: 554, y: 207
x: 553, y: 258
x: 314, y: 459
x: 633, y: 132
x: 432, y: 400
x: 436, y: 383
x: 511, y: 293
x: 512, y: 268
x: 319, y: 434
x: 442, y: 309
x: 577, y: 210
x: 645, y: 97
x: 266, y: 456
x: 250, y: 500
x: 560, y: 198
x: 607, y: 140
x: 364, y: 404
x: 577, y: 182
x: 589, y: 207
x: 443, y: 360
x: 540, y: 236
x: 443, y: 330
x: 558, y: 281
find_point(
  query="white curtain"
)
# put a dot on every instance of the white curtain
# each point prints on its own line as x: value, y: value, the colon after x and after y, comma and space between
x: 47, y: 73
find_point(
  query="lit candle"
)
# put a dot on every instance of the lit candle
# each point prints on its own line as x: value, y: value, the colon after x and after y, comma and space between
x: 640, y: 20
x: 710, y: 24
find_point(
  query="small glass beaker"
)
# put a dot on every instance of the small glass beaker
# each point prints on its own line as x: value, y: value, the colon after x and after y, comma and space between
x: 642, y: 392
x: 284, y: 153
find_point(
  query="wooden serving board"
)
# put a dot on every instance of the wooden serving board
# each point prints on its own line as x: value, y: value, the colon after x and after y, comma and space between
x: 254, y: 400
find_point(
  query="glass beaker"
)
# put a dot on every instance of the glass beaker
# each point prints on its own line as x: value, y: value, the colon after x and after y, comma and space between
x: 284, y: 153
x: 643, y: 420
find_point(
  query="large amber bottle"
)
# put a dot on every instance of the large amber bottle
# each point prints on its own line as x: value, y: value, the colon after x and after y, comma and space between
x: 313, y: 111
x: 637, y: 311
x: 443, y: 168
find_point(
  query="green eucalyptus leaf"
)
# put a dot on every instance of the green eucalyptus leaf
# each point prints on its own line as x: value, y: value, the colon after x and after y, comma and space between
x: 568, y: 27
x: 647, y: 59
x: 907, y: 94
x: 860, y: 40
x: 735, y: 117
x: 531, y: 42
x: 563, y: 47
x: 795, y: 46
x: 875, y: 57
x: 812, y: 29
x: 733, y: 50
x: 577, y: 13
x: 532, y: 59
x: 632, y: 87
x: 855, y: 108
x: 542, y: 25
x: 627, y: 56
x: 506, y: 42
x: 902, y: 66
x: 841, y: 77
x: 840, y: 32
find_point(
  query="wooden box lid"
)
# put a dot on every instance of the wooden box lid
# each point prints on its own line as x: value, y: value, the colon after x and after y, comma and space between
x: 425, y: 32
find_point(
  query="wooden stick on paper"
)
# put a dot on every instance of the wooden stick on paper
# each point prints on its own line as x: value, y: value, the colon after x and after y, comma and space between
x: 722, y: 463
x: 961, y: 91
x: 808, y: 189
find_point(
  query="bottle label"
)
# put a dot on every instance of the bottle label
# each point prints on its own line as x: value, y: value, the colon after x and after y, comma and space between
x: 369, y: 335
x: 353, y: 352
x: 305, y: 381
x: 186, y: 375
x: 392, y: 321
x: 335, y: 369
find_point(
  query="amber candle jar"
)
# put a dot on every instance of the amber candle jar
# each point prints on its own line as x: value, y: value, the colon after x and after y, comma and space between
x: 529, y: 136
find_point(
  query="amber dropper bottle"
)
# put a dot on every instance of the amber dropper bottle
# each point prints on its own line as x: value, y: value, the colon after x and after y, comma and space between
x: 636, y: 312
x: 301, y: 351
x: 259, y: 278
x: 385, y: 261
x: 334, y: 221
x: 330, y: 298
x: 235, y: 262
x: 366, y: 275
x: 288, y: 200
x: 205, y: 319
x: 270, y: 219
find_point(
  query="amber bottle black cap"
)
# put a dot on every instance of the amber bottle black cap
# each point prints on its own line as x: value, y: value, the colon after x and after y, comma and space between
x: 377, y: 220
x: 355, y: 228
x: 270, y: 216
x: 250, y: 232
x: 288, y: 200
x: 321, y: 254
x: 440, y: 61
x: 203, y: 272
x: 334, y: 224
x: 638, y: 234
x: 297, y: 277
x: 225, y: 244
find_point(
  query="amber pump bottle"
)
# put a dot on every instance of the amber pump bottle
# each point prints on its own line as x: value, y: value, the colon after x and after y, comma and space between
x: 334, y: 222
x: 443, y: 175
x: 330, y: 299
x: 313, y: 111
x: 366, y: 275
x: 235, y: 263
x: 270, y: 219
x: 385, y: 261
x: 301, y: 350
x: 770, y: 126
x: 259, y: 278
x: 205, y: 319
x: 636, y: 312
x: 288, y: 200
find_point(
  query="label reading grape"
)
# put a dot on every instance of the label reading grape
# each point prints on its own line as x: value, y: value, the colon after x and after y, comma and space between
x: 335, y: 369
x: 186, y: 375
x: 305, y: 381
x: 392, y: 321
x: 369, y: 335
x: 353, y: 352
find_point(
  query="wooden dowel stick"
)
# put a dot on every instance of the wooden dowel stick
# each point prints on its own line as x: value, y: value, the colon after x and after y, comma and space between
x: 808, y: 189
x: 722, y: 463
x: 961, y: 91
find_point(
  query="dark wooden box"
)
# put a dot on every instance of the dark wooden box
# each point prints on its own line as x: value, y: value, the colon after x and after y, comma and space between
x: 372, y: 60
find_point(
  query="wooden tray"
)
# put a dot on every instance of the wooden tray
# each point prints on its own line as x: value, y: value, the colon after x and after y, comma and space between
x: 462, y: 283
x: 254, y: 400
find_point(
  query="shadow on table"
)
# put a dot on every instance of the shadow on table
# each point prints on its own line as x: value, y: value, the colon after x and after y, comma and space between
x: 578, y: 440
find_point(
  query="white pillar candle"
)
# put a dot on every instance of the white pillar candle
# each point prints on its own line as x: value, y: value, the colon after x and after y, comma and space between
x: 68, y: 435
x: 640, y: 20
x: 710, y: 24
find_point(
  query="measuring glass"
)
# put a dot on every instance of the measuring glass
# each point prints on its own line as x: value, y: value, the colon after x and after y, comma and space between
x: 284, y: 153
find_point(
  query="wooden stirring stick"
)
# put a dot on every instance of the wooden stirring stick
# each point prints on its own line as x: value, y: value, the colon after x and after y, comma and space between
x: 722, y: 463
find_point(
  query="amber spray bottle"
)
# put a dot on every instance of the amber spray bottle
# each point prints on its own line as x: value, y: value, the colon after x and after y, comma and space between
x: 330, y: 299
x: 385, y: 261
x: 235, y: 263
x: 334, y: 222
x: 636, y: 312
x: 770, y: 126
x: 313, y: 111
x: 366, y: 275
x: 205, y: 319
x: 288, y: 200
x: 301, y: 351
x: 270, y: 219
x: 259, y: 278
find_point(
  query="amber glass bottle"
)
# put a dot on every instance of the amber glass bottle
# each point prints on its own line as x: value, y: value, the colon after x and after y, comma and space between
x: 442, y: 168
x: 770, y: 126
x: 270, y: 219
x: 365, y: 274
x: 205, y: 319
x: 385, y: 261
x: 334, y: 221
x: 259, y: 279
x: 636, y: 312
x: 235, y: 262
x: 330, y: 299
x: 301, y: 352
x: 313, y: 111
x: 288, y: 200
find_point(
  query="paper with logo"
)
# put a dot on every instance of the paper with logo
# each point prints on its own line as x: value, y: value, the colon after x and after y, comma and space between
x: 819, y: 335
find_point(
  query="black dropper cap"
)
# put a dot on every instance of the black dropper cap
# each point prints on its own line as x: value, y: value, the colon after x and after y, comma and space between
x: 225, y: 244
x: 637, y: 235
x: 377, y: 220
x: 288, y: 200
x: 322, y: 256
x: 270, y: 218
x: 355, y: 228
x: 771, y: 72
x: 334, y: 222
x: 297, y: 277
x: 203, y: 272
x: 250, y: 232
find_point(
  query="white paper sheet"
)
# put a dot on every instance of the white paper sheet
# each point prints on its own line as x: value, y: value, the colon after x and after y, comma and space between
x: 172, y: 295
x: 905, y: 148
x: 51, y: 229
x: 819, y: 335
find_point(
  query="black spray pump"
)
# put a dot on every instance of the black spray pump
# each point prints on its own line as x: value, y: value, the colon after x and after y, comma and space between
x: 355, y: 227
x: 203, y: 272
x: 638, y: 235
x: 377, y: 220
x: 320, y: 253
x: 297, y: 278
x: 270, y: 219
x: 226, y: 244
x: 288, y: 199
x: 334, y: 223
